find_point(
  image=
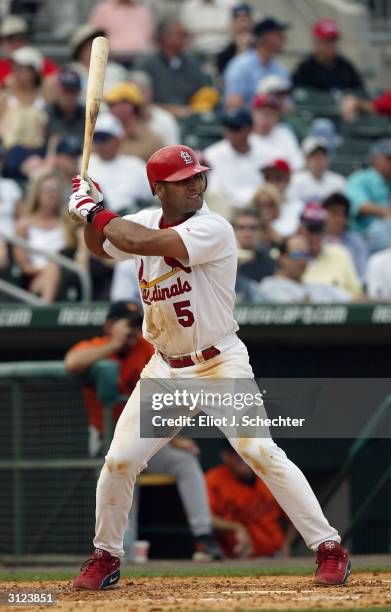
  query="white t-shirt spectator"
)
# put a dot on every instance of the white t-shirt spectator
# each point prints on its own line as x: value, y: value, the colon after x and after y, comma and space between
x: 304, y: 186
x: 208, y: 23
x: 236, y: 176
x: 280, y: 290
x: 123, y: 181
x: 283, y: 144
x: 163, y: 124
x: 124, y: 286
x: 289, y: 218
x: 10, y: 194
x: 378, y: 275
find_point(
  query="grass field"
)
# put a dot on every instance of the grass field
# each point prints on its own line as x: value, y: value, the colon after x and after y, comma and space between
x: 200, y: 588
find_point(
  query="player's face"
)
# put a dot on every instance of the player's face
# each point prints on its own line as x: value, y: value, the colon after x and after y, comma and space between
x: 183, y: 196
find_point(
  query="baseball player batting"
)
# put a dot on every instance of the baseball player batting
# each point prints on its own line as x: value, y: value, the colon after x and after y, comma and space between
x: 191, y: 251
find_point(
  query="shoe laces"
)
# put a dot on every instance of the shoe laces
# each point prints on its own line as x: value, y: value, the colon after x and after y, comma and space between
x: 329, y: 558
x: 89, y: 567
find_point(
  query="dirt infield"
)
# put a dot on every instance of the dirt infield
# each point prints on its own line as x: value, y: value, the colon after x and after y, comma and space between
x: 369, y: 589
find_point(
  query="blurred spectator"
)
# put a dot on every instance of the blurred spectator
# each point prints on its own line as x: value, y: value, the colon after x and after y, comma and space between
x: 23, y: 118
x: 352, y: 106
x: 127, y: 23
x: 66, y: 160
x: 325, y: 68
x: 10, y: 203
x: 45, y: 224
x: 369, y: 192
x: 256, y: 263
x: 245, y: 515
x: 14, y: 34
x: 378, y: 275
x: 278, y: 173
x: 241, y: 35
x: 66, y: 113
x: 157, y: 119
x: 278, y: 87
x: 122, y: 177
x: 125, y: 285
x: 244, y: 73
x: 338, y: 208
x: 111, y: 366
x: 275, y: 136
x: 235, y: 161
x: 287, y: 285
x: 80, y: 44
x: 325, y: 128
x: 207, y: 22
x: 316, y: 181
x: 267, y: 201
x: 178, y: 82
x: 330, y: 264
x: 125, y: 101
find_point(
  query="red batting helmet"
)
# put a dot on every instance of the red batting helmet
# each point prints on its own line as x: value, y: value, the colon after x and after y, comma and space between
x: 172, y: 164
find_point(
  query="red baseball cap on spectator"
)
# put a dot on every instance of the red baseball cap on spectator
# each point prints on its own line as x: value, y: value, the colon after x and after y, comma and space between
x: 266, y: 101
x: 313, y: 216
x: 326, y: 29
x: 278, y: 164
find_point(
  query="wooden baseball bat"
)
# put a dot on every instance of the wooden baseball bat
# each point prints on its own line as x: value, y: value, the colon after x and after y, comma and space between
x: 94, y: 96
x: 96, y: 78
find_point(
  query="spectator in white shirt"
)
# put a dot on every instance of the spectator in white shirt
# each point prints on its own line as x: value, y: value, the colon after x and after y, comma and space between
x: 235, y: 162
x: 10, y: 197
x: 278, y: 173
x: 208, y: 22
x: 378, y: 276
x: 159, y: 120
x: 121, y: 177
x: 287, y: 285
x: 316, y: 182
x: 267, y: 115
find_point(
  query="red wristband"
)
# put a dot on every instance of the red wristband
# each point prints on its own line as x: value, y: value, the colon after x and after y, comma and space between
x: 102, y: 218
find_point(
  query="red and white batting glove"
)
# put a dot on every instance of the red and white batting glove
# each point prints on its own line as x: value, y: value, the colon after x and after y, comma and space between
x: 93, y: 188
x: 86, y: 199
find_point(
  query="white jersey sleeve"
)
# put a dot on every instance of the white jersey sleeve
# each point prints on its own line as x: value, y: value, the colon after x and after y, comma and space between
x: 207, y: 238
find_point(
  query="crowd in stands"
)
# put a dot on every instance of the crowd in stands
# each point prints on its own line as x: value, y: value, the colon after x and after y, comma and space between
x: 312, y: 217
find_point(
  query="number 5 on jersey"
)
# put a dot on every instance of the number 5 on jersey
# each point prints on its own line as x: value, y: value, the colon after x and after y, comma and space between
x: 185, y: 316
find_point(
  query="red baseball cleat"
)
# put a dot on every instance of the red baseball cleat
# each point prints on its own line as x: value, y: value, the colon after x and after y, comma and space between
x: 98, y: 573
x: 333, y: 562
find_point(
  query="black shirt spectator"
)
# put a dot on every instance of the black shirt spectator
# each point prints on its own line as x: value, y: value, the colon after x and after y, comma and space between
x: 66, y: 114
x: 325, y: 68
x: 242, y: 25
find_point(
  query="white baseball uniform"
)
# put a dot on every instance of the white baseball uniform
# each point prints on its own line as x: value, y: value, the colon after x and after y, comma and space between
x: 188, y: 307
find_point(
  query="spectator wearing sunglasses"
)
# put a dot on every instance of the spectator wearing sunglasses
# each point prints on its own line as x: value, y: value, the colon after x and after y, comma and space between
x: 330, y: 264
x: 288, y: 285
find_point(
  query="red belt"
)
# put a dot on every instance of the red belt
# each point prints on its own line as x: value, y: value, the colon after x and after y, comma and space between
x: 186, y: 360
